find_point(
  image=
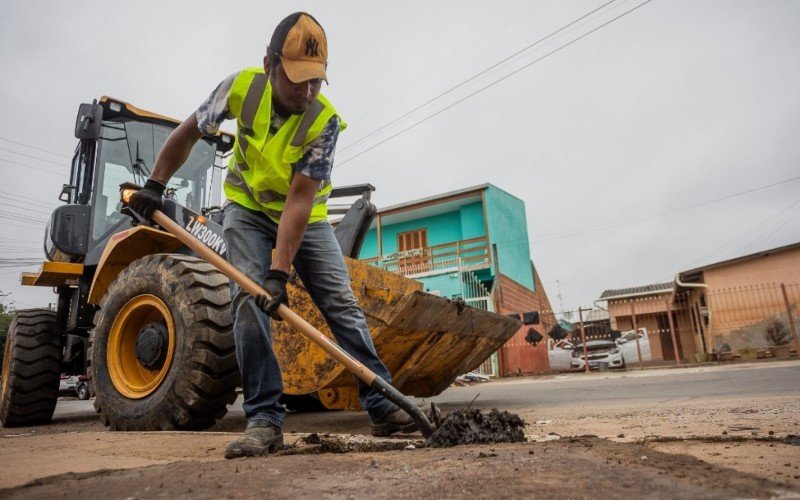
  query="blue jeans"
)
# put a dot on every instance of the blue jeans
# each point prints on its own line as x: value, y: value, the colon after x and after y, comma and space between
x: 250, y: 237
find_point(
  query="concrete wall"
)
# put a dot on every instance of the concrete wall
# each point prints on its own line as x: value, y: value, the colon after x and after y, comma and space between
x: 783, y: 267
x: 472, y: 224
x: 442, y: 228
x: 517, y: 355
x: 508, y: 230
x: 447, y: 285
x: 462, y: 224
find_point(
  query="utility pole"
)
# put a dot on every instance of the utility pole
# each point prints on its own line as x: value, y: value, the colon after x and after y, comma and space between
x: 583, y: 340
x: 565, y: 315
x: 560, y: 302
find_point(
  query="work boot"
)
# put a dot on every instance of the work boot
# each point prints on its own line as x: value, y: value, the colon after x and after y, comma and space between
x: 396, y: 421
x: 260, y: 438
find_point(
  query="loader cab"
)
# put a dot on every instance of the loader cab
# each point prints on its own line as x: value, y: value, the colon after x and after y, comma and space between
x: 119, y: 143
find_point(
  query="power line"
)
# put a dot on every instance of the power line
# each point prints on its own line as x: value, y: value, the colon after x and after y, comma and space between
x: 754, y: 229
x: 26, y: 209
x: 35, y: 168
x: 20, y: 217
x: 569, y: 233
x: 492, y: 84
x: 32, y: 157
x: 438, y: 68
x: 787, y: 217
x: 473, y: 77
x: 11, y: 272
x: 572, y: 233
x: 34, y: 147
x: 36, y: 226
x: 28, y: 199
x: 15, y: 263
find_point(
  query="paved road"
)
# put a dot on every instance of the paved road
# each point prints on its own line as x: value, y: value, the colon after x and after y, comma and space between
x: 746, y: 381
x: 751, y: 381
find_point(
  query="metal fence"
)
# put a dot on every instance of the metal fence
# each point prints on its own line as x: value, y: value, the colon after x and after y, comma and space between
x: 757, y: 316
x: 471, y: 254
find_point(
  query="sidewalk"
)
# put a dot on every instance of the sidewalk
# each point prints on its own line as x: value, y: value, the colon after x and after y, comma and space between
x: 655, y: 370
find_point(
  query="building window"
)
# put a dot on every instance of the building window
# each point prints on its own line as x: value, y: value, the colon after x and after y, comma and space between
x: 409, y: 261
x: 412, y: 239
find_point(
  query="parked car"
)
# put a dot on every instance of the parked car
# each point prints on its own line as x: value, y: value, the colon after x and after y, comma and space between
x: 629, y: 348
x: 598, y: 351
x: 74, y: 385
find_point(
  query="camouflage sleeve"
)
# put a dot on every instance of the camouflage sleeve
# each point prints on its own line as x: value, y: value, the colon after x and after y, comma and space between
x: 214, y: 110
x: 317, y: 160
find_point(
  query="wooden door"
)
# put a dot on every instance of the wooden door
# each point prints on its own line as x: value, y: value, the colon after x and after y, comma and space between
x: 411, y: 240
x: 667, y: 351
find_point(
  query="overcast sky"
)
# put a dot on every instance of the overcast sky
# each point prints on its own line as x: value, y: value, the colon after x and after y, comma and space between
x: 617, y: 143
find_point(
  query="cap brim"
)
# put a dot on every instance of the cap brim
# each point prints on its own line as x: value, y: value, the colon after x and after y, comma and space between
x: 302, y: 71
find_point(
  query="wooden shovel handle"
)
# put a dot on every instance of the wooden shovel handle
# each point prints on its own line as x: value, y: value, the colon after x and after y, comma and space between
x: 252, y: 288
x: 330, y: 347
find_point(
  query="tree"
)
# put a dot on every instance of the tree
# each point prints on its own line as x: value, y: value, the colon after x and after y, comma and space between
x: 5, y: 321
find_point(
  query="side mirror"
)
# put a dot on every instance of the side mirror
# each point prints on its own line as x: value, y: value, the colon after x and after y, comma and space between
x: 66, y: 192
x: 69, y: 229
x: 89, y: 121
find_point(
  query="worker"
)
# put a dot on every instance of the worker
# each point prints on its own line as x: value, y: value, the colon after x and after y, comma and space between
x: 276, y: 186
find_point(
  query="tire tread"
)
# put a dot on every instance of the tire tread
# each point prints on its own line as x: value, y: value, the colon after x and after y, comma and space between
x: 31, y: 392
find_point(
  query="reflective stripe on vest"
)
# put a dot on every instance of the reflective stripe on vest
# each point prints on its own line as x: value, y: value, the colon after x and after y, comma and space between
x: 249, y: 109
x: 261, y: 168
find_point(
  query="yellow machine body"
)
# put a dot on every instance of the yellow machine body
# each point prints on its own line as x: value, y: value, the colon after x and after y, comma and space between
x: 424, y: 340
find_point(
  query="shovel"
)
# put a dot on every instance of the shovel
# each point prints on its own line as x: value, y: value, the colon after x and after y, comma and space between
x: 334, y: 351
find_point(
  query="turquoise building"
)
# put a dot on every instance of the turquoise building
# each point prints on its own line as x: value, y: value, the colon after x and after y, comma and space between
x: 455, y: 243
x: 471, y: 244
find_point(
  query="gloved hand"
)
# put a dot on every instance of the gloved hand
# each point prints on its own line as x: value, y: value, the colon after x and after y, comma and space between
x: 276, y: 286
x: 148, y: 199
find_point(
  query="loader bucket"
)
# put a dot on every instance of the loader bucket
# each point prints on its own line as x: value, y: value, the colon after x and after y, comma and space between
x: 424, y: 340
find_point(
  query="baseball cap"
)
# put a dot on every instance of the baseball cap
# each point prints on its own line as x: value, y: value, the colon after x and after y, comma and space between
x: 302, y: 46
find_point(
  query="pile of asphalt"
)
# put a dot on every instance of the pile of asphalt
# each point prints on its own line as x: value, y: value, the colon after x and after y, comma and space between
x: 475, y: 427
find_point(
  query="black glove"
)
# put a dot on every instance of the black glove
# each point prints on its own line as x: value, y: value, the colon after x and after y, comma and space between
x: 275, y: 285
x: 148, y: 199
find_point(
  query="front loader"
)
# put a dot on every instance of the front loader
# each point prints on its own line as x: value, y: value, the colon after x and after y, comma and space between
x: 149, y: 321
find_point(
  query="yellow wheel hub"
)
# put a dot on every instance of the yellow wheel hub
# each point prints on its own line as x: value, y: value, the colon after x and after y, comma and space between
x: 136, y: 323
x: 6, y: 367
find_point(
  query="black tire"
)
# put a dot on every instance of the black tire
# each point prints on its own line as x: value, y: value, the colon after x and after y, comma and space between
x: 201, y: 379
x: 83, y: 392
x: 32, y: 369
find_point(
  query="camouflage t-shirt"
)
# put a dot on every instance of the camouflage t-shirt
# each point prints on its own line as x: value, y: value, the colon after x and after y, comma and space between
x: 317, y: 159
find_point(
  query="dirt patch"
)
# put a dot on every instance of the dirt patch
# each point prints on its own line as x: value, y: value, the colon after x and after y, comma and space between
x: 472, y: 426
x: 772, y: 459
x: 27, y: 456
x: 314, y: 444
x: 740, y: 445
x: 567, y: 468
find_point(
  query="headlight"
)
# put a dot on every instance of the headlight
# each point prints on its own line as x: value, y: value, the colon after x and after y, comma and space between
x: 614, y: 351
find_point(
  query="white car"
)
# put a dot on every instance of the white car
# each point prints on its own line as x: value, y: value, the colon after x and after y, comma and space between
x: 598, y: 351
x: 74, y: 385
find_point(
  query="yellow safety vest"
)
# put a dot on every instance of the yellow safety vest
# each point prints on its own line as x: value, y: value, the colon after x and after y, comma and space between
x: 260, y: 170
